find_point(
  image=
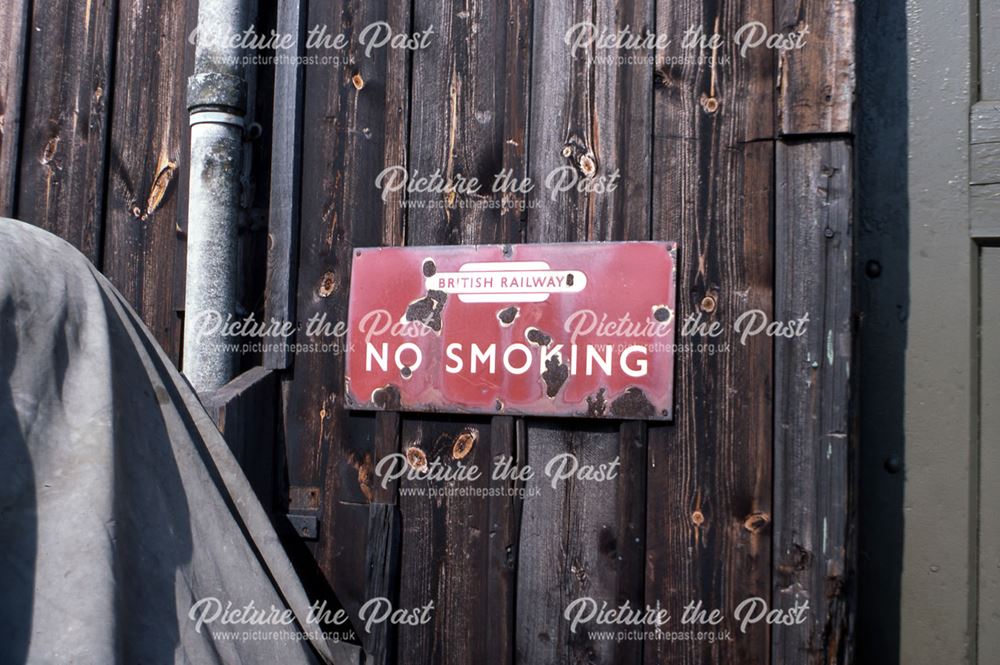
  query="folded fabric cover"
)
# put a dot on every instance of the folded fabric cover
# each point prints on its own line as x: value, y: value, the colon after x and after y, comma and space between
x: 121, y: 505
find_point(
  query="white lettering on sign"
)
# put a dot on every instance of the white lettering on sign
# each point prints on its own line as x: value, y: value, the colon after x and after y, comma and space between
x: 518, y: 358
x: 514, y: 281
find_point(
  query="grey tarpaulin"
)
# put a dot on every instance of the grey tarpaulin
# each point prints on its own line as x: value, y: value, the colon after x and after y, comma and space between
x: 120, y: 503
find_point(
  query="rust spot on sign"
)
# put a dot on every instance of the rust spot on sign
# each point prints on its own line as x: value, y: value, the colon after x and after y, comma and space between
x: 506, y: 316
x: 428, y: 309
x: 597, y: 403
x: 554, y: 376
x: 538, y: 337
x: 386, y: 397
x: 633, y: 403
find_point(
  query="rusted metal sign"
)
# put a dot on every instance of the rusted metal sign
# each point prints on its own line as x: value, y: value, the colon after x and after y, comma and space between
x: 583, y: 329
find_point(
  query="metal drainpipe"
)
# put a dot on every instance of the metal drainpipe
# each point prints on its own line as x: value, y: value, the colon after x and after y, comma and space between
x: 217, y: 103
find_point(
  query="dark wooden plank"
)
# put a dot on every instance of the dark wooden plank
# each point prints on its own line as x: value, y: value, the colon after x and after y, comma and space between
x: 65, y: 124
x: 506, y: 443
x: 517, y: 68
x: 286, y: 178
x: 244, y: 410
x: 446, y: 544
x: 468, y: 118
x: 382, y: 577
x: 14, y: 34
x: 384, y: 539
x: 461, y: 550
x: 345, y: 107
x: 397, y: 124
x: 709, y: 480
x: 458, y: 119
x: 253, y: 243
x: 145, y: 204
x: 585, y: 538
x: 570, y: 546
x: 813, y: 246
x: 816, y: 81
x: 387, y: 425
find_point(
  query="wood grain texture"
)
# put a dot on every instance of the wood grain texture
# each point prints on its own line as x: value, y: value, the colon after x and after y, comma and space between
x: 345, y: 109
x: 286, y: 179
x: 468, y: 117
x: 816, y: 82
x: 146, y: 205
x: 382, y: 577
x: 813, y: 244
x: 506, y: 443
x: 585, y: 539
x: 709, y: 476
x: 244, y: 410
x: 14, y: 34
x: 384, y: 546
x: 446, y: 547
x: 690, y: 516
x: 65, y: 124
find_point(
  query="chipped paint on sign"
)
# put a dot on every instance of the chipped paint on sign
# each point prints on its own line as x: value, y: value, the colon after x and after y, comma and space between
x: 582, y: 329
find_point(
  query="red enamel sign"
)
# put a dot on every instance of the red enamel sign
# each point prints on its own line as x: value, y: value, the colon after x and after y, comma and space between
x: 582, y: 329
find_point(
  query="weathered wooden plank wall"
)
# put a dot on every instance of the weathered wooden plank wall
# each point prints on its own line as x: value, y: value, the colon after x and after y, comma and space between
x: 594, y: 117
x: 814, y: 217
x: 813, y: 491
x: 66, y: 107
x: 353, y: 122
x: 93, y: 141
x: 746, y: 163
x: 94, y: 132
x: 709, y: 493
x: 458, y: 124
x: 13, y: 33
x: 244, y: 411
x: 146, y: 205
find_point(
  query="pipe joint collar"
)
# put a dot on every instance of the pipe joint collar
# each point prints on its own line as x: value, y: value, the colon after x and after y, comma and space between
x: 213, y: 90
